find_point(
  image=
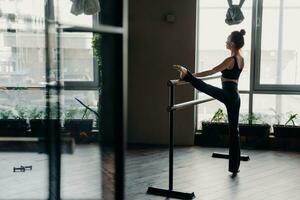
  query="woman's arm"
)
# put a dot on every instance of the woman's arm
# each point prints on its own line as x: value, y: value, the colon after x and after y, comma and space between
x: 224, y: 65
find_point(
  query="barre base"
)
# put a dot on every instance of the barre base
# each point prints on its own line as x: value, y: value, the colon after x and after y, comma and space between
x: 170, y: 193
x: 226, y: 156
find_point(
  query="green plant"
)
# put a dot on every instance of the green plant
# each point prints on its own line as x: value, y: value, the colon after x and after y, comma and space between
x: 21, y: 112
x: 96, y: 45
x: 71, y: 113
x: 86, y: 113
x: 14, y: 113
x: 5, y: 114
x: 36, y: 113
x: 251, y: 118
x: 87, y: 110
x: 218, y: 116
x: 291, y: 118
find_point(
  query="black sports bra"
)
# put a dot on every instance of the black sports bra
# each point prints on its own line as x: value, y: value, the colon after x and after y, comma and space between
x: 233, y: 73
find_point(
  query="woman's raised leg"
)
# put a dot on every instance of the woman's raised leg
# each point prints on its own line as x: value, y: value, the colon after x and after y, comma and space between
x: 208, y: 89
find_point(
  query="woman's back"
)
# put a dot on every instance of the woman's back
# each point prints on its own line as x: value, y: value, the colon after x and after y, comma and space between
x: 235, y: 71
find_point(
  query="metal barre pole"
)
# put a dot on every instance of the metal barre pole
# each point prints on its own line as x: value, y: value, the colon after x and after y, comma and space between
x: 188, y: 103
x: 171, y: 143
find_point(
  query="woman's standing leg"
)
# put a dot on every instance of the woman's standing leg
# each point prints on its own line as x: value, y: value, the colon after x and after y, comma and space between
x: 234, y: 141
x: 208, y: 89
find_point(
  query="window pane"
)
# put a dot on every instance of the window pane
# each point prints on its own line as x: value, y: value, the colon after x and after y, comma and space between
x: 76, y: 48
x: 65, y: 17
x: 213, y: 32
x: 89, y: 98
x: 22, y: 47
x: 275, y: 109
x: 22, y: 43
x: 77, y: 56
x: 280, y: 42
x: 85, y: 162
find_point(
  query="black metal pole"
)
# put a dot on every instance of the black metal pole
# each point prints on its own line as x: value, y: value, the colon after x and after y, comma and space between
x: 171, y: 143
x: 52, y: 130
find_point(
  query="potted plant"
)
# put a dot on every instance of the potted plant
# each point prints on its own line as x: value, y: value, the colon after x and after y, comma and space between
x: 252, y: 128
x: 289, y: 129
x: 254, y: 131
x: 38, y: 122
x: 13, y: 122
x: 215, y: 132
x: 80, y: 128
x: 253, y: 125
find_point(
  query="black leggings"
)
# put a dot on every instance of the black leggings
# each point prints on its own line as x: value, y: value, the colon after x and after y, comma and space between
x: 229, y: 95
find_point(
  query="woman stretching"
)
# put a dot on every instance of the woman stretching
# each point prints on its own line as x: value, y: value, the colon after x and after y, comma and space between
x: 231, y: 69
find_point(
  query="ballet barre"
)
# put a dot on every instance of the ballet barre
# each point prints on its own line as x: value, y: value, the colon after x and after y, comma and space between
x: 171, y: 108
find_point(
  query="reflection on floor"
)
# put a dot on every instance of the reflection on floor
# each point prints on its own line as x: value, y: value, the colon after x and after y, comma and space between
x: 268, y: 175
x: 80, y: 175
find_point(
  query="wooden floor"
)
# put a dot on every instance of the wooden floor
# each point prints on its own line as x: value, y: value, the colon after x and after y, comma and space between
x: 269, y: 175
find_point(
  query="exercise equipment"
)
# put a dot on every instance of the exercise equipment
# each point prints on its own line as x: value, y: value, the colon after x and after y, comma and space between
x: 170, y: 192
x: 22, y: 168
x: 226, y: 156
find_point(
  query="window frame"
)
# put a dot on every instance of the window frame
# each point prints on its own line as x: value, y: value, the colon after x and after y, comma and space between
x: 256, y: 58
x: 85, y: 85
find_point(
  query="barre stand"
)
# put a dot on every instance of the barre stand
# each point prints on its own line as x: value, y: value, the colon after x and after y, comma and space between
x: 170, y: 192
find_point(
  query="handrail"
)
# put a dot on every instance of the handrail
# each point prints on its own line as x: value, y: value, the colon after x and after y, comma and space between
x: 172, y: 83
x: 188, y: 103
x: 180, y: 82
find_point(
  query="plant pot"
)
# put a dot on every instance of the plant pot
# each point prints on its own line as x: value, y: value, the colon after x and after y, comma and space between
x: 80, y: 129
x: 215, y: 134
x: 13, y: 128
x: 220, y: 128
x: 286, y: 131
x: 256, y: 130
x: 38, y: 126
x: 254, y: 136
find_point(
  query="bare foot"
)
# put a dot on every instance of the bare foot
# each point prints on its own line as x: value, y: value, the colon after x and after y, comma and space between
x: 182, y: 70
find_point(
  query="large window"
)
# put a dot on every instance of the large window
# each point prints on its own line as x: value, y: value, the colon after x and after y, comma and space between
x: 279, y: 63
x: 211, y: 49
x: 271, y: 54
x: 213, y: 32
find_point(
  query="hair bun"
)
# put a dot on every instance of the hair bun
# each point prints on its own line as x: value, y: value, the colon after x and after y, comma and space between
x: 242, y: 31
